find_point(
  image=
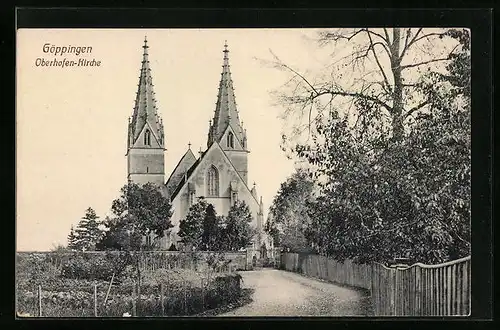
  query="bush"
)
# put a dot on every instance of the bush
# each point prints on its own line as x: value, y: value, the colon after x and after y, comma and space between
x: 96, y: 266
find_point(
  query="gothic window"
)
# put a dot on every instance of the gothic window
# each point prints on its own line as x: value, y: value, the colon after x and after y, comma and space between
x: 213, y: 182
x: 147, y: 138
x: 230, y: 140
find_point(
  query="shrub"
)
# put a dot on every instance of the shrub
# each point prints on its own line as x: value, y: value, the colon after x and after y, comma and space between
x: 96, y: 266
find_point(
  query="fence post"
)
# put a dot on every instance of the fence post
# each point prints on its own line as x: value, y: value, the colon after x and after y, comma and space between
x: 161, y: 300
x: 39, y: 300
x: 109, y: 289
x: 95, y: 300
x: 202, y: 296
x: 185, y: 297
x: 134, y: 302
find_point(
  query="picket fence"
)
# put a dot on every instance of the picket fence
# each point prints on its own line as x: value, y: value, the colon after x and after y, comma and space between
x: 417, y: 290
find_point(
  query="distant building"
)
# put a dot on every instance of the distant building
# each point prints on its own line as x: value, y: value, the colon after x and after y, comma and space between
x: 219, y: 173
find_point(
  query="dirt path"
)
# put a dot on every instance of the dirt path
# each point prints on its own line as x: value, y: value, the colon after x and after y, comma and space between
x: 280, y: 293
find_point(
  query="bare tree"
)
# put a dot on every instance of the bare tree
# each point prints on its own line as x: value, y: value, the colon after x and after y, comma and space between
x: 381, y: 72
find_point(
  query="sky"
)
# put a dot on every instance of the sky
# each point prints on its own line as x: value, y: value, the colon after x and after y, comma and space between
x: 71, y: 122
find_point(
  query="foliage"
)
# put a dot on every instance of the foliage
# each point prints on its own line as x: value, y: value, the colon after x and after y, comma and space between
x: 60, y: 248
x: 210, y: 236
x: 87, y: 232
x: 394, y: 169
x: 236, y: 230
x: 96, y: 266
x: 191, y: 228
x: 288, y: 214
x: 72, y: 240
x: 205, y: 231
x: 139, y: 211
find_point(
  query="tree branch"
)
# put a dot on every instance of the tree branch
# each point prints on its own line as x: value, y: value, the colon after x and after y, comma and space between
x: 387, y: 37
x: 415, y: 108
x: 372, y: 46
x: 425, y: 62
x: 410, y: 43
x: 358, y: 95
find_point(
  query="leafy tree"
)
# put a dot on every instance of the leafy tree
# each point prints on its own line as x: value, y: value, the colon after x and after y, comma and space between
x: 236, y: 229
x: 393, y: 165
x: 191, y: 228
x: 139, y: 211
x: 288, y: 214
x: 87, y: 232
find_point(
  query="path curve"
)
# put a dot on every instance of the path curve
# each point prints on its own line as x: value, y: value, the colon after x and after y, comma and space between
x: 281, y: 293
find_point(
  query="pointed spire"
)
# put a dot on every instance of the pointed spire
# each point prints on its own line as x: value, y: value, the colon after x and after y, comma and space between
x: 254, y: 191
x: 226, y: 112
x: 145, y: 110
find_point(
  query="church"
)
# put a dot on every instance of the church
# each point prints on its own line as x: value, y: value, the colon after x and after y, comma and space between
x: 219, y: 173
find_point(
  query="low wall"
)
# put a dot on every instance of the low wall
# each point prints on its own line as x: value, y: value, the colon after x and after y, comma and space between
x: 179, y: 259
x: 156, y: 259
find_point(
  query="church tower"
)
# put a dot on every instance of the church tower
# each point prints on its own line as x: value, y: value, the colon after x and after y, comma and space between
x: 145, y: 147
x: 226, y: 128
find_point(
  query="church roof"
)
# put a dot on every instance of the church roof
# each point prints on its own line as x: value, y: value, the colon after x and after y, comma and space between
x: 226, y: 112
x: 190, y: 171
x: 184, y: 164
x: 145, y: 110
x: 185, y: 177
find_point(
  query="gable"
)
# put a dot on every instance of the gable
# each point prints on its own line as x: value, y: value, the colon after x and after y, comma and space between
x: 139, y: 142
x: 237, y: 142
x: 182, y: 167
x: 214, y: 154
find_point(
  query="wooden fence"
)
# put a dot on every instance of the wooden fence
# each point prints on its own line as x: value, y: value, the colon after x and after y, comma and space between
x: 417, y: 290
x: 346, y: 273
x: 422, y: 290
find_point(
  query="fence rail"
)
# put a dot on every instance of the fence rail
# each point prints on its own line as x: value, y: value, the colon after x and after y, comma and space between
x: 417, y: 290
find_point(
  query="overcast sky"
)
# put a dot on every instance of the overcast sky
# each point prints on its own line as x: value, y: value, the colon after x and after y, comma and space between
x: 72, y: 122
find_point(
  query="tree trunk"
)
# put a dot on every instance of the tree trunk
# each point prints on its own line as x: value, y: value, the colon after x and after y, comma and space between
x: 397, y: 108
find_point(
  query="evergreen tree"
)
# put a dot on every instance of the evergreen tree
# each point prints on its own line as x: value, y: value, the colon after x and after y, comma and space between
x: 88, y: 231
x: 210, y: 229
x: 72, y: 240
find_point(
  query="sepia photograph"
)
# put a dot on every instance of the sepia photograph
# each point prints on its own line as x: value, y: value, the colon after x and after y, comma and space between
x: 243, y: 172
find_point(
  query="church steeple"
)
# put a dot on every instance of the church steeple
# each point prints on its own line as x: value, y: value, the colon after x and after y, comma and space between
x: 145, y: 111
x: 226, y: 113
x: 145, y: 147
